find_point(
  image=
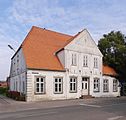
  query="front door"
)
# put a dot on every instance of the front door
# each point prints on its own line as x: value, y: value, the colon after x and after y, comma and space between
x: 85, y: 81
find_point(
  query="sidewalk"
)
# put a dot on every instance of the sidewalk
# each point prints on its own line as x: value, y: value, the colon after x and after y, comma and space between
x: 20, y: 106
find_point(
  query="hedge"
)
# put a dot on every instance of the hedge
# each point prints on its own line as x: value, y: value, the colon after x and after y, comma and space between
x: 16, y: 95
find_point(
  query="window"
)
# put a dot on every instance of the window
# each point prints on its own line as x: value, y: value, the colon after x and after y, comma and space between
x: 105, y: 85
x: 85, y: 61
x: 16, y: 86
x: 73, y: 84
x: 58, y: 85
x: 96, y: 85
x: 40, y: 85
x: 95, y: 62
x: 23, y: 87
x: 115, y: 85
x: 74, y: 59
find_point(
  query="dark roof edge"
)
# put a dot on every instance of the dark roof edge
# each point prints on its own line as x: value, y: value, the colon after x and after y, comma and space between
x: 46, y: 69
x: 71, y: 39
x: 23, y: 42
x: 16, y: 52
x: 111, y: 75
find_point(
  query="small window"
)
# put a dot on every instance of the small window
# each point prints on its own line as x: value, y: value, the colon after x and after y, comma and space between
x: 95, y: 62
x: 58, y: 85
x: 73, y: 84
x: 115, y: 85
x: 105, y: 85
x: 74, y: 59
x: 96, y: 85
x: 40, y: 85
x: 16, y: 86
x: 23, y: 87
x: 85, y: 61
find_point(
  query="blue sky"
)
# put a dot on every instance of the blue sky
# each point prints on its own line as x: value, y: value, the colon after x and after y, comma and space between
x: 67, y: 16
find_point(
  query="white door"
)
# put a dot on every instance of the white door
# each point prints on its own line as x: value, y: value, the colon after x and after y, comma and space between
x: 85, y: 85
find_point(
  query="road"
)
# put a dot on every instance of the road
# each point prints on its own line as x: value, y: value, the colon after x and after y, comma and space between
x: 113, y: 109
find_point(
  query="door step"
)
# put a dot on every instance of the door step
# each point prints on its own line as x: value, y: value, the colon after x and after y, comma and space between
x: 86, y: 97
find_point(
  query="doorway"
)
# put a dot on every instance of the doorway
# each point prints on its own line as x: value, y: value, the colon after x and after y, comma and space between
x: 85, y: 86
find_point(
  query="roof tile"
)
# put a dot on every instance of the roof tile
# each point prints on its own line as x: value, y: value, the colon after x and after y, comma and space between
x: 39, y: 48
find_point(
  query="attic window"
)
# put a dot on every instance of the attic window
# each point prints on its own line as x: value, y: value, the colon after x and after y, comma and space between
x: 74, y: 59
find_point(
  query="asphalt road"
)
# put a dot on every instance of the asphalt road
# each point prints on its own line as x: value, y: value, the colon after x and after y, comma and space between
x: 101, y: 110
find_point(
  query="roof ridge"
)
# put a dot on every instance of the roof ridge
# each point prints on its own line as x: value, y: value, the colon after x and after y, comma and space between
x: 70, y: 40
x: 51, y: 31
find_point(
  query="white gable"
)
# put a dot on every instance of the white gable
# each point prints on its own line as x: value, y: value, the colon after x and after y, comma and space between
x: 84, y: 43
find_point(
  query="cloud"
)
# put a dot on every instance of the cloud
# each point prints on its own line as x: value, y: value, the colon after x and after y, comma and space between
x: 65, y: 16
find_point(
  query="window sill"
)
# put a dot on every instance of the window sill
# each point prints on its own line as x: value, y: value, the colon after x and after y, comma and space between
x: 105, y: 91
x: 115, y: 91
x: 96, y: 91
x: 39, y: 93
x: 72, y: 91
x: 85, y: 66
x: 73, y: 65
x: 58, y: 92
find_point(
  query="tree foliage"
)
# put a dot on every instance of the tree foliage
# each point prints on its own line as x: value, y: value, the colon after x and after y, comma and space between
x: 113, y: 48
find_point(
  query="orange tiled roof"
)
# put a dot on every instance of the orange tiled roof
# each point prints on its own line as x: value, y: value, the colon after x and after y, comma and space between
x: 39, y: 48
x: 109, y: 71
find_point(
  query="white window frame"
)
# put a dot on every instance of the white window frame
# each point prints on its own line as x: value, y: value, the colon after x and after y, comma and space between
x: 95, y: 62
x: 85, y: 61
x: 73, y: 85
x: 115, y: 85
x: 96, y: 85
x: 74, y: 59
x: 41, y: 90
x: 59, y: 84
x: 105, y: 85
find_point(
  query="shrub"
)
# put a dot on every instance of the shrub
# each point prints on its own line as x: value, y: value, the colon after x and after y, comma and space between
x: 3, y: 90
x: 16, y: 95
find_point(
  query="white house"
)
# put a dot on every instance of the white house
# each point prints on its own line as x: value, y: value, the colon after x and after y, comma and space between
x: 50, y: 65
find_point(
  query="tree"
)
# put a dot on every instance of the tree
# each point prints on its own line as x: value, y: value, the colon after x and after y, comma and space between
x: 113, y: 48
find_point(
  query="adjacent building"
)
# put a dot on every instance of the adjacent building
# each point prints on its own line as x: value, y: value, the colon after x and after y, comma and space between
x: 50, y: 65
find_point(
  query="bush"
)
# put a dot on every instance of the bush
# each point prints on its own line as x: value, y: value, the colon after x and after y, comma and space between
x: 3, y: 90
x: 16, y: 95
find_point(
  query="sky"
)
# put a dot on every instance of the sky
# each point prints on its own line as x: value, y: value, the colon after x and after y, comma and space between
x: 66, y: 16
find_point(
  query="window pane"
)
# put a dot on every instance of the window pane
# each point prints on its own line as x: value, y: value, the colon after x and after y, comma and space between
x: 85, y: 85
x: 56, y: 80
x: 37, y: 89
x: 59, y: 80
x: 82, y: 85
x: 56, y: 87
x: 74, y: 86
x: 41, y: 79
x: 60, y: 88
x: 42, y: 89
x: 37, y: 79
x: 71, y: 86
x: 37, y: 85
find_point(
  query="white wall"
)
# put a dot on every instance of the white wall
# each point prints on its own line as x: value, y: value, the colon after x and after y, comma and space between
x: 18, y: 72
x: 61, y: 56
x: 49, y: 79
x: 110, y: 93
x: 84, y: 45
x: 16, y: 83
